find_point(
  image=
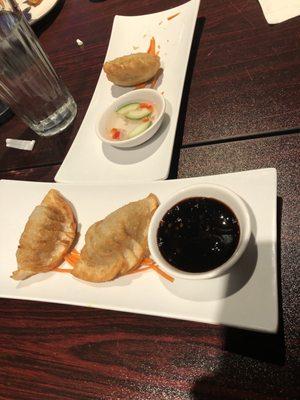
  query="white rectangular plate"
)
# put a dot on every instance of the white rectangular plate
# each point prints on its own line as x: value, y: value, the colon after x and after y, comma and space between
x: 88, y: 160
x: 246, y: 297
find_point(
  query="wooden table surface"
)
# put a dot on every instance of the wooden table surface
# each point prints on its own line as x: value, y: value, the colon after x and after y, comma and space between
x: 240, y: 111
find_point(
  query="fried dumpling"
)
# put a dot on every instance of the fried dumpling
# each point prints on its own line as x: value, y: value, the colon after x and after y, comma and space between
x: 117, y: 244
x: 47, y: 237
x: 133, y: 69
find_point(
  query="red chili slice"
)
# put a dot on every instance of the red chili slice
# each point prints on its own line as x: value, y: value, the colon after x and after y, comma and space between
x: 116, y: 134
x: 146, y: 105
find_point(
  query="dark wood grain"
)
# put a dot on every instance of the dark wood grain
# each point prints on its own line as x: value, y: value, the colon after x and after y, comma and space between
x: 40, y: 174
x: 243, y: 77
x: 246, y: 78
x: 63, y: 352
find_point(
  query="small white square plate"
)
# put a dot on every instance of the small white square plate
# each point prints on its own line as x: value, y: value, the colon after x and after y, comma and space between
x: 246, y: 297
x: 90, y: 160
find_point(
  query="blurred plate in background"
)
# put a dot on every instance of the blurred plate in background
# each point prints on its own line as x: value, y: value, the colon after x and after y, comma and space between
x: 35, y: 13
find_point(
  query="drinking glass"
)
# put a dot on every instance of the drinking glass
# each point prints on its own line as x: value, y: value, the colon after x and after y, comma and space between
x: 28, y: 82
x: 3, y: 110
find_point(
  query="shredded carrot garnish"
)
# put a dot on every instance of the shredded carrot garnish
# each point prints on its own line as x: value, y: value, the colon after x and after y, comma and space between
x: 173, y: 16
x: 72, y: 257
x: 162, y: 273
x: 151, y: 49
x: 146, y: 264
x: 151, y: 264
x: 147, y: 261
x: 74, y: 251
x: 138, y: 270
x: 141, y: 85
x: 71, y: 261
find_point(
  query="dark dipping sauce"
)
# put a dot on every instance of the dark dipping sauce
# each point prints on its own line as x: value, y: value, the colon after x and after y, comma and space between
x: 198, y: 234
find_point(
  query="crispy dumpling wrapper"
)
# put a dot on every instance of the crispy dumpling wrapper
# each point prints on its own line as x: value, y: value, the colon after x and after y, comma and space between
x: 48, y: 236
x: 118, y: 243
x: 133, y: 69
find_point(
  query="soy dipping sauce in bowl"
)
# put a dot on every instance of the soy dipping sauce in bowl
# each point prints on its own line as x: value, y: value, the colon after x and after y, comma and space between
x: 200, y: 232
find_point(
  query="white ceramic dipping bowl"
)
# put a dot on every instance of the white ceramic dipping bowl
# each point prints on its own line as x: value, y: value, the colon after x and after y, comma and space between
x: 218, y: 192
x: 135, y: 96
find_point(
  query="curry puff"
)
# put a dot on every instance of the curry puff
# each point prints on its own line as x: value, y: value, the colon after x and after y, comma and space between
x: 133, y: 69
x: 48, y: 235
x: 118, y: 243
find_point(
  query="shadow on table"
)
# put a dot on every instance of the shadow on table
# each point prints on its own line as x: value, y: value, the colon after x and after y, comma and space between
x: 262, y: 347
x: 185, y: 95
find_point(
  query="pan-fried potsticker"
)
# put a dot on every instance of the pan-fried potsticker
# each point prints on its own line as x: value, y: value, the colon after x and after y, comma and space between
x: 133, y: 69
x: 118, y: 243
x: 48, y: 236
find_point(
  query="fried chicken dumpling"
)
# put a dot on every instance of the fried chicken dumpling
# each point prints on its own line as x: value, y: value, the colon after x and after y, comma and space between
x: 117, y: 244
x: 47, y: 237
x: 133, y: 69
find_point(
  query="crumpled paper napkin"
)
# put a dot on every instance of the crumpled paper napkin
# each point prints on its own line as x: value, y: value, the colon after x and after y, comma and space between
x: 20, y: 144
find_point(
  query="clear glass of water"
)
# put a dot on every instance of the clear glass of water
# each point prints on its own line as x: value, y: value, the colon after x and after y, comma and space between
x: 28, y: 82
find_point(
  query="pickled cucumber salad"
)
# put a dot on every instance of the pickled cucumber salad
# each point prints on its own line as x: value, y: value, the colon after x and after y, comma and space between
x: 131, y: 120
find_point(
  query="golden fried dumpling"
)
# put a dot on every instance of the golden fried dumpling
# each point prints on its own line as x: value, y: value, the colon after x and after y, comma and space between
x: 117, y: 244
x: 133, y: 69
x: 47, y: 237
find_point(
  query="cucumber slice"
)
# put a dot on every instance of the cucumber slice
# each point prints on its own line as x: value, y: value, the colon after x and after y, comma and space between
x: 128, y: 107
x: 139, y: 113
x: 139, y: 129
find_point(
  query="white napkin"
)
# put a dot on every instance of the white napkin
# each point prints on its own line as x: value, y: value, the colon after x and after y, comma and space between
x: 20, y: 144
x: 276, y: 11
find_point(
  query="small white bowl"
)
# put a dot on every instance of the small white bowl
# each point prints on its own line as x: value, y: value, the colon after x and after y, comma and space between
x: 135, y: 96
x: 218, y: 192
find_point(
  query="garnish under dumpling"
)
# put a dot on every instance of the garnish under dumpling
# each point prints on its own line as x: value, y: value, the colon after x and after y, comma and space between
x: 133, y: 69
x: 117, y: 244
x: 48, y: 236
